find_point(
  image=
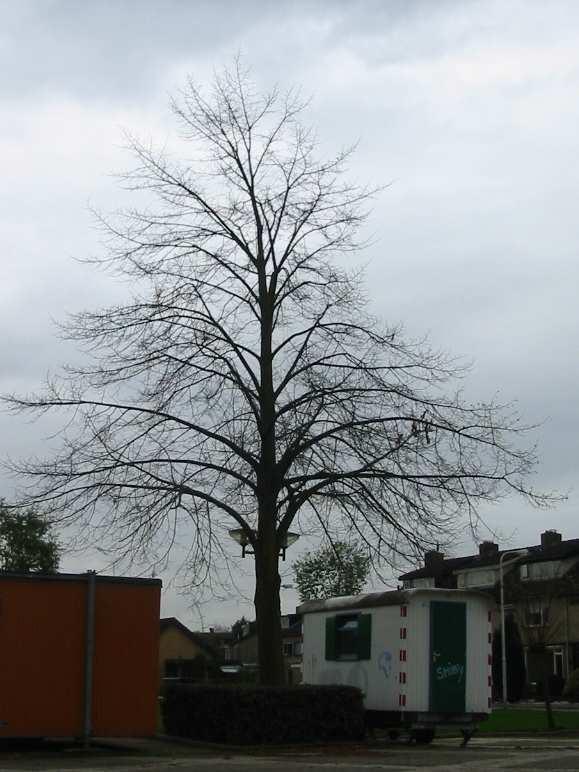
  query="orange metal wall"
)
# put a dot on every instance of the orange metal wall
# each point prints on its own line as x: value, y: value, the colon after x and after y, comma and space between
x: 42, y: 643
x: 126, y: 660
x: 41, y: 667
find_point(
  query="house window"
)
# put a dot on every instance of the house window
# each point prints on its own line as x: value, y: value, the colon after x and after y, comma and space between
x: 348, y: 637
x: 419, y: 584
x: 524, y: 571
x: 298, y: 649
x: 288, y: 649
x: 478, y: 578
x: 171, y: 669
x: 423, y: 584
x: 184, y: 669
x: 558, y: 662
x: 548, y: 569
x: 536, y: 615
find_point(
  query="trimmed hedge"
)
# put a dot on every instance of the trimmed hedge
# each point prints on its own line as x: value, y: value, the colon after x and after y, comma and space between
x: 254, y: 715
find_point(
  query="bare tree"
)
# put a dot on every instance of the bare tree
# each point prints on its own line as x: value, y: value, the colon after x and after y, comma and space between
x: 245, y: 384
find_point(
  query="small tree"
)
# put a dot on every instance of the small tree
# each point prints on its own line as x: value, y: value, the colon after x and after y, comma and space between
x: 26, y: 542
x: 336, y: 569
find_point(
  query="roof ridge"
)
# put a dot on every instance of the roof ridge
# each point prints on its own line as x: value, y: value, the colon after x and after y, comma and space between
x: 538, y: 552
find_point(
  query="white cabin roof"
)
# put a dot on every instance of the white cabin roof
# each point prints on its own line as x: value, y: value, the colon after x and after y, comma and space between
x: 388, y: 598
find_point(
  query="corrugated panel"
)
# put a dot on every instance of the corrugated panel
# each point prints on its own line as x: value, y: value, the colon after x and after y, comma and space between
x: 42, y: 638
x: 479, y: 657
x: 126, y: 660
x: 417, y: 637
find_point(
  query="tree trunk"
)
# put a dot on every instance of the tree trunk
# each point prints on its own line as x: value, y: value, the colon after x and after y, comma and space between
x: 549, y: 709
x: 268, y: 614
x: 267, y: 579
x: 547, y: 692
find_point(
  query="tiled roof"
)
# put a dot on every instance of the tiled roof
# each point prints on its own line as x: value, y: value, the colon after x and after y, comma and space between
x: 448, y: 565
x: 199, y: 640
x: 537, y: 553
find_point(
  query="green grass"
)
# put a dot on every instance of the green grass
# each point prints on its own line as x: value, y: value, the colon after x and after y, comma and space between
x: 512, y: 720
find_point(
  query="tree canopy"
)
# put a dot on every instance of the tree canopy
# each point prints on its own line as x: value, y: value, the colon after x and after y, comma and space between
x: 245, y: 383
x: 332, y: 570
x: 26, y: 542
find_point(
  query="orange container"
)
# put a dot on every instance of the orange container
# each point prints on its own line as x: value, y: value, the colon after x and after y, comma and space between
x: 79, y: 655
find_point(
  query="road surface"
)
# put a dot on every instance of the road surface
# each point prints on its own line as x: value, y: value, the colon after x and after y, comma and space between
x: 482, y: 755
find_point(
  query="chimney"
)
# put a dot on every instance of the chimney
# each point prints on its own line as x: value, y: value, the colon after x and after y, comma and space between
x: 488, y: 550
x: 550, y: 538
x: 434, y: 560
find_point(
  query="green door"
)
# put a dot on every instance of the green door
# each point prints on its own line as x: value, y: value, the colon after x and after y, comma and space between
x: 447, y: 657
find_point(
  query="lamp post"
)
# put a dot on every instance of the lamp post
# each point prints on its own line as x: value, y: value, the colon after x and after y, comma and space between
x: 516, y: 554
x: 241, y: 537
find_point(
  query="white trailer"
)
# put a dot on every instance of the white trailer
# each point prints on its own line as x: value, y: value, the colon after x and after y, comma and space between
x: 422, y: 658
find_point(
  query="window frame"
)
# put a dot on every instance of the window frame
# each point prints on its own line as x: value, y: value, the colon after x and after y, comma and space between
x: 536, y: 609
x: 360, y: 647
x: 464, y: 578
x: 531, y: 572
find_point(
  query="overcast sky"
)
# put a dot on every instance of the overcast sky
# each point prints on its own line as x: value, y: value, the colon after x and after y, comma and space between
x: 468, y: 111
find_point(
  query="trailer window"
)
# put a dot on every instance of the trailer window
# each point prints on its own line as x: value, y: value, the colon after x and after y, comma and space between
x: 348, y: 637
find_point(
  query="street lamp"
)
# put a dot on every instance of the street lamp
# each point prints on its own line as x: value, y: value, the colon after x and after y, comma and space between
x: 241, y: 536
x: 516, y: 554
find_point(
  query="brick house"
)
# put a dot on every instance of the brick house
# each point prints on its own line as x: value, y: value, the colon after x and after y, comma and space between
x: 185, y: 655
x: 244, y: 649
x: 541, y: 593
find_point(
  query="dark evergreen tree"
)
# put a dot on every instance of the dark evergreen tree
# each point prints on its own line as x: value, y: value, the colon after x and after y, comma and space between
x: 26, y: 541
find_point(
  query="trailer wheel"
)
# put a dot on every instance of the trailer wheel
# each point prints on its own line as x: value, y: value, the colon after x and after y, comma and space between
x: 423, y: 736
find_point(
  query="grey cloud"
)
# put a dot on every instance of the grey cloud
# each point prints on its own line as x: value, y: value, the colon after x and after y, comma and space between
x: 112, y: 50
x: 468, y: 108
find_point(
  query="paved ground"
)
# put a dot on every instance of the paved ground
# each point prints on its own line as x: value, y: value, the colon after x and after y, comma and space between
x: 515, y: 754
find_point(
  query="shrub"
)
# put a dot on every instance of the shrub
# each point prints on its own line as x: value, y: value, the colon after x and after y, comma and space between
x: 571, y: 690
x: 556, y: 684
x: 253, y: 715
